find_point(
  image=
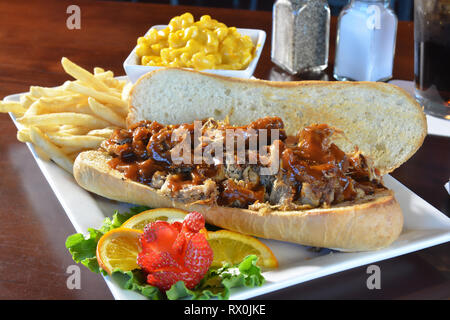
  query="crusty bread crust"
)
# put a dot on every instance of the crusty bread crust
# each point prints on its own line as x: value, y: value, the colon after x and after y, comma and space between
x: 368, y: 224
x: 383, y: 120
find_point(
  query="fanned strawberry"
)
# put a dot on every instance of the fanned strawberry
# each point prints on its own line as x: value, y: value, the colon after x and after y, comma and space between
x: 179, y: 243
x: 198, y: 255
x: 174, y: 252
x: 194, y: 222
x: 163, y: 279
x: 158, y: 236
x: 157, y: 260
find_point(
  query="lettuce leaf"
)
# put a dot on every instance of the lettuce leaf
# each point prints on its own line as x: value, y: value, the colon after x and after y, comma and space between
x: 83, y: 248
x: 218, y: 282
x: 135, y: 280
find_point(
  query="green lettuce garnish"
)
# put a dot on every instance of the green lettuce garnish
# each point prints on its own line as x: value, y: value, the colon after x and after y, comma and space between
x: 135, y: 280
x: 216, y: 283
x: 83, y: 249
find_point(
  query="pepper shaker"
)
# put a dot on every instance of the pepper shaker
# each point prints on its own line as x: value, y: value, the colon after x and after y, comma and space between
x: 365, y: 43
x: 300, y: 35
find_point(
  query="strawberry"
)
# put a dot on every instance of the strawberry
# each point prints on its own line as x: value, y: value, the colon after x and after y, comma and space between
x: 198, y: 255
x: 179, y: 243
x: 157, y: 260
x: 194, y: 222
x: 174, y: 252
x: 157, y: 230
x: 163, y: 279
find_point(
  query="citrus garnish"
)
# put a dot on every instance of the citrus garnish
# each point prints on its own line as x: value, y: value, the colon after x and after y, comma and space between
x: 232, y: 247
x: 140, y: 220
x: 118, y: 249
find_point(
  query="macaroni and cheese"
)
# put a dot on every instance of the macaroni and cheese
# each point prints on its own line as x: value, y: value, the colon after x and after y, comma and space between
x: 202, y: 44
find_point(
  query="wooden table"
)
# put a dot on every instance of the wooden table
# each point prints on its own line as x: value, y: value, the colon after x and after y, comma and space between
x: 34, y: 226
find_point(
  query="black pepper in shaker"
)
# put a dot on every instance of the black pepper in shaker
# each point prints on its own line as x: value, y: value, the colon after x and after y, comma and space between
x: 300, y: 35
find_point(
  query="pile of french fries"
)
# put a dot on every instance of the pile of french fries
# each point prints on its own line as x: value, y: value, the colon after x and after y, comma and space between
x: 63, y: 121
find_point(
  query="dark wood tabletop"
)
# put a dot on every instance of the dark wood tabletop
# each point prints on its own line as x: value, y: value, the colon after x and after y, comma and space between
x: 34, y: 226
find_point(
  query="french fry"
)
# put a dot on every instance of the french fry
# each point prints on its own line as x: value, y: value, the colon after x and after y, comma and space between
x: 79, y: 115
x: 70, y: 150
x: 67, y: 103
x: 126, y: 91
x: 106, y: 113
x: 101, y: 74
x: 39, y: 139
x: 37, y: 92
x: 116, y: 93
x: 77, y: 141
x: 98, y: 70
x: 103, y: 97
x: 12, y: 106
x: 105, y: 133
x: 108, y: 78
x: 73, y: 155
x: 83, y: 108
x: 112, y: 83
x: 74, y: 130
x: 83, y: 75
x: 71, y: 118
x: 122, y: 83
x: 23, y: 135
x: 63, y: 101
x: 41, y: 153
x: 66, y: 127
x: 47, y: 127
x: 33, y: 109
x: 26, y: 100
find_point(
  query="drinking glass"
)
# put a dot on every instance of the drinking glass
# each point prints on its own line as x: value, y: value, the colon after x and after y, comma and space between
x: 432, y: 56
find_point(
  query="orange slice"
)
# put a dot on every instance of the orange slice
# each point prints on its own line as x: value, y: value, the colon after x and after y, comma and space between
x: 118, y: 249
x: 139, y: 221
x: 232, y: 247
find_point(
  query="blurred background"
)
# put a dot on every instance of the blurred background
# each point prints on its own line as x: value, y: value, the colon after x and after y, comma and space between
x: 403, y: 8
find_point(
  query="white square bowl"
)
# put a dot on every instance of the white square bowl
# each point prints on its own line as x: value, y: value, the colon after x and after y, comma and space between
x: 134, y: 70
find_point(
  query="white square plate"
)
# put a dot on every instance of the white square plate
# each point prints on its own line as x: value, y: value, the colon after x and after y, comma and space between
x: 424, y: 226
x: 134, y: 70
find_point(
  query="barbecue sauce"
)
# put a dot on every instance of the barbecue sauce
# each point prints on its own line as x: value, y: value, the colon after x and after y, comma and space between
x: 309, y: 157
x: 314, y: 158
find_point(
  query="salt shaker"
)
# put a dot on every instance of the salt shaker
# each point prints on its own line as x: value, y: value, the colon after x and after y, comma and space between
x: 300, y: 36
x: 365, y: 43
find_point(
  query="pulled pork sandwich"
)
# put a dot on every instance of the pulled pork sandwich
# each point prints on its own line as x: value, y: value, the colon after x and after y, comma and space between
x: 299, y: 162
